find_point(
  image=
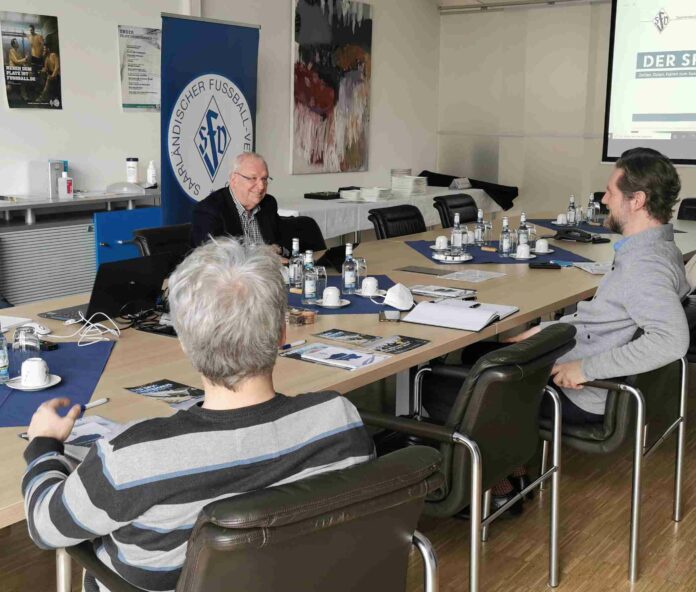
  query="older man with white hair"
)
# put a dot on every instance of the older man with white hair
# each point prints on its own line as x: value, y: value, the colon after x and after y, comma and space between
x: 242, y: 209
x: 137, y: 494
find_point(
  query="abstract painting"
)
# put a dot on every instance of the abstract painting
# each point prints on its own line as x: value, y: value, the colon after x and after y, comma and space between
x: 331, y: 86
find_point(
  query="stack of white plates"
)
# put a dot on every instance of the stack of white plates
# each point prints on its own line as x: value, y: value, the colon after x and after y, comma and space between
x: 375, y: 193
x: 400, y: 172
x: 351, y: 194
x: 408, y: 185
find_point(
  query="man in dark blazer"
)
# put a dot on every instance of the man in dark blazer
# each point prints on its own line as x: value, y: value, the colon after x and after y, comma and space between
x: 243, y: 209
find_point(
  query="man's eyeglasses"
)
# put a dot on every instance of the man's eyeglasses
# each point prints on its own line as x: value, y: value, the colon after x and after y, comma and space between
x: 254, y: 180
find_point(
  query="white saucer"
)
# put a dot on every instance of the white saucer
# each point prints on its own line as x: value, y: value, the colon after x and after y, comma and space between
x: 459, y: 259
x: 562, y: 225
x: 514, y: 256
x: 343, y: 302
x: 438, y: 249
x: 16, y: 383
x: 547, y: 252
x: 381, y: 293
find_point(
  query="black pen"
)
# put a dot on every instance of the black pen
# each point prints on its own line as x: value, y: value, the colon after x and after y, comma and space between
x: 475, y: 305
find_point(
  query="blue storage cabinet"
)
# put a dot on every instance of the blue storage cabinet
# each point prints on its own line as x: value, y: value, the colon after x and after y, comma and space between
x: 113, y: 232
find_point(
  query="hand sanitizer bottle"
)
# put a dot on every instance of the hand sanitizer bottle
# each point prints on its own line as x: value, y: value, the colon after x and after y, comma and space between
x: 350, y: 271
x: 65, y: 186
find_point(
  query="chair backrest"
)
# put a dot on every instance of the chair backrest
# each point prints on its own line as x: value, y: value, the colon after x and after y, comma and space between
x: 687, y: 209
x: 597, y: 197
x: 174, y: 240
x: 341, y: 531
x: 690, y: 310
x: 449, y: 205
x: 498, y: 407
x: 396, y: 221
x: 304, y: 228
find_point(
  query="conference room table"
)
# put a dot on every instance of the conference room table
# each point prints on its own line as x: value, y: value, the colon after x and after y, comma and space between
x: 139, y: 358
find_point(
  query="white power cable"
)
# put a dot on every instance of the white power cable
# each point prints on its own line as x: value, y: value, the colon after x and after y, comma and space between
x: 92, y: 332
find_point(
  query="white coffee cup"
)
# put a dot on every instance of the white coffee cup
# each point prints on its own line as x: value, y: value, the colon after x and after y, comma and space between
x: 331, y: 296
x: 369, y: 286
x: 561, y: 219
x: 523, y: 251
x: 441, y: 242
x: 542, y: 245
x: 34, y: 373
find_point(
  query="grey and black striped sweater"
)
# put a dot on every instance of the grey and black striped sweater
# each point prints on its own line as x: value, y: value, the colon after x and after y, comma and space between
x: 137, y: 495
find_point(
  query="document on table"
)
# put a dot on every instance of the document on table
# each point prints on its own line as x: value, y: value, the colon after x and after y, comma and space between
x: 594, y: 267
x: 86, y: 431
x: 458, y: 314
x: 473, y: 275
x: 341, y: 357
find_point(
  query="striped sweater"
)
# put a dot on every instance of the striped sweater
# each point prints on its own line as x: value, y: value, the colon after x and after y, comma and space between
x: 137, y: 495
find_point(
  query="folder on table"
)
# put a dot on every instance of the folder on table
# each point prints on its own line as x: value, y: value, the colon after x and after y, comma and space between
x: 459, y: 314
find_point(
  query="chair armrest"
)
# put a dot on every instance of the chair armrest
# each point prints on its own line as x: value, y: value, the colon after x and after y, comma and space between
x: 84, y: 554
x: 617, y: 384
x: 421, y: 429
x: 450, y: 371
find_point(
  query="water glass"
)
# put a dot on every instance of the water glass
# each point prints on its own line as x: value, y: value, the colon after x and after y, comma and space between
x: 321, y: 279
x: 25, y: 345
x: 487, y: 233
x: 361, y: 269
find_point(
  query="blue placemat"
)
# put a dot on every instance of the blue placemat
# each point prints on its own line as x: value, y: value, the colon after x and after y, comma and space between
x: 593, y: 228
x: 423, y: 247
x: 358, y: 304
x: 79, y: 367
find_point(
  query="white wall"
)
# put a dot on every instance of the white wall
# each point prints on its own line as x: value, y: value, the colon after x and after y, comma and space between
x: 94, y: 134
x: 522, y: 101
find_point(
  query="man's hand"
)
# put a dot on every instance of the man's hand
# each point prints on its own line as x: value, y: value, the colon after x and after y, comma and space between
x: 524, y: 335
x: 46, y: 423
x: 569, y: 375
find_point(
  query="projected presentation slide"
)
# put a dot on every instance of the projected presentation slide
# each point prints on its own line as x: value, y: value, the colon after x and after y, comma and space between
x: 652, y: 86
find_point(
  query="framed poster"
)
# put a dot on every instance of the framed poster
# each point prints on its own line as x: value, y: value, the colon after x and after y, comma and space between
x: 31, y: 55
x: 332, y: 47
x: 140, y: 54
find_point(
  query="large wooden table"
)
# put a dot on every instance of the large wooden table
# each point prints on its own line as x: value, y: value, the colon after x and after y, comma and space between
x: 140, y: 357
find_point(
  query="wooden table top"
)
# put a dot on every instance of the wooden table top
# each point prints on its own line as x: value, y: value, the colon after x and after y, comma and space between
x: 140, y: 357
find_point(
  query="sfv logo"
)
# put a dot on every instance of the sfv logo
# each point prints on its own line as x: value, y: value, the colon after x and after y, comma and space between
x: 212, y: 139
x: 661, y: 20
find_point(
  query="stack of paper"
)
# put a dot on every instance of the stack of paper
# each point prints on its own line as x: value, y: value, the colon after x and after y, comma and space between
x: 351, y: 194
x: 408, y: 185
x: 374, y: 193
x: 342, y: 357
x: 459, y: 314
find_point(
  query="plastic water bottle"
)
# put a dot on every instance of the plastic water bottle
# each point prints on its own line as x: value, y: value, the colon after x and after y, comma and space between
x: 505, y: 244
x: 523, y: 230
x: 456, y: 240
x: 295, y: 265
x: 4, y: 360
x: 349, y: 271
x: 572, y: 211
x: 479, y: 229
x: 309, y: 289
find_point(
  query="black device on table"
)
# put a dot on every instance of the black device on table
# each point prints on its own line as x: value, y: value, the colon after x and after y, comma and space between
x: 334, y: 257
x: 579, y: 235
x: 120, y: 288
x: 543, y: 265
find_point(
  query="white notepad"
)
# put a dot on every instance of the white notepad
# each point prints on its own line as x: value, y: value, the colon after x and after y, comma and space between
x: 6, y: 323
x: 458, y: 314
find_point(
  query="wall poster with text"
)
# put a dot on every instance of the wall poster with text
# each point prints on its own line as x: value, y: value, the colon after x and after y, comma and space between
x: 140, y: 53
x: 31, y: 58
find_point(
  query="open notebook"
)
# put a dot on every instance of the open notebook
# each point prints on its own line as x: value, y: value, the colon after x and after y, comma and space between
x: 458, y: 314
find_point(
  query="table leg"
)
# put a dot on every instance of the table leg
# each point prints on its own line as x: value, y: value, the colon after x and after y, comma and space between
x: 403, y: 392
x: 63, y: 571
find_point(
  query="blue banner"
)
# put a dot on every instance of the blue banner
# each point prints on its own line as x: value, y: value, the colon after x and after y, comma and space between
x: 208, y: 108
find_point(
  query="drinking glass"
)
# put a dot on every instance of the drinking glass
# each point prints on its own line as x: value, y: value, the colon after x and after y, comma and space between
x: 487, y: 233
x: 361, y: 270
x: 25, y: 345
x: 321, y: 280
x: 532, y: 232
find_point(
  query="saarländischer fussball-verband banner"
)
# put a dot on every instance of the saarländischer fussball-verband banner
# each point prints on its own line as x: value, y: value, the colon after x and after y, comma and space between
x: 208, y: 107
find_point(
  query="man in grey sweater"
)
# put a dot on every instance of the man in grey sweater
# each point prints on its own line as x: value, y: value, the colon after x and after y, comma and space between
x: 643, y: 290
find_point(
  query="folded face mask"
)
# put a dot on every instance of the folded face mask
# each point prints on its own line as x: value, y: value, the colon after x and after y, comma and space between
x: 398, y: 296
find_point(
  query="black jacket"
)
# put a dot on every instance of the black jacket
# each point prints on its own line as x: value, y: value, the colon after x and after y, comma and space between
x: 217, y: 215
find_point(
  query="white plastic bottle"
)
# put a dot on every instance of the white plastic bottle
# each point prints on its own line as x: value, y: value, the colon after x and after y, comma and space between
x: 151, y: 175
x: 132, y: 169
x: 65, y: 186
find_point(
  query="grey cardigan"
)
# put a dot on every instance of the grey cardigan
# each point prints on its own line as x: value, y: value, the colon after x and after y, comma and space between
x: 644, y: 290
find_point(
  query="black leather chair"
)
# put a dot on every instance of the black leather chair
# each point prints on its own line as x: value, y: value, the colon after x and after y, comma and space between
x: 449, y: 205
x: 396, y: 221
x: 174, y: 240
x: 341, y: 531
x: 650, y: 406
x: 304, y: 228
x: 597, y: 198
x: 690, y: 310
x: 687, y: 209
x: 490, y: 429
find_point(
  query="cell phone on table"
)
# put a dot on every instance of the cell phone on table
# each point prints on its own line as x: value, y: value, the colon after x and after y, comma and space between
x: 389, y: 315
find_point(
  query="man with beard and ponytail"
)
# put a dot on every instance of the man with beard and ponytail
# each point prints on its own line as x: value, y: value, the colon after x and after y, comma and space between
x: 642, y: 291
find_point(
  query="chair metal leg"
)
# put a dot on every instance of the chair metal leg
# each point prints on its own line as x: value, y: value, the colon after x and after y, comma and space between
x: 681, y: 437
x: 555, y: 484
x: 636, y: 489
x: 475, y: 509
x: 418, y: 392
x: 486, y: 513
x: 544, y: 462
x: 430, y: 570
x: 63, y: 571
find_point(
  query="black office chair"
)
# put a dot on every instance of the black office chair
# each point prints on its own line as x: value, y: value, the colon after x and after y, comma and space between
x: 341, y: 531
x: 650, y: 406
x: 491, y: 428
x: 690, y: 310
x: 687, y: 209
x: 597, y: 198
x: 449, y: 205
x: 304, y: 228
x: 174, y: 240
x: 396, y: 221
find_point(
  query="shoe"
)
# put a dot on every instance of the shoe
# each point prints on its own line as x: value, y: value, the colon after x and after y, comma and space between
x: 520, y: 483
x: 498, y: 501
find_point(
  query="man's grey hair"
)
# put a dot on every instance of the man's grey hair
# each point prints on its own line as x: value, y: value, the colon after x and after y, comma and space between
x: 228, y: 302
x: 239, y: 160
